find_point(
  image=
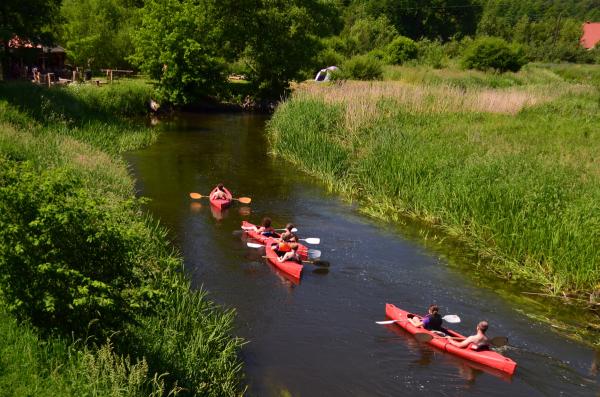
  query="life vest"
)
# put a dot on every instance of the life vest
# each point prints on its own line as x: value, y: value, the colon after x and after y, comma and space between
x: 434, y: 322
x: 284, y: 247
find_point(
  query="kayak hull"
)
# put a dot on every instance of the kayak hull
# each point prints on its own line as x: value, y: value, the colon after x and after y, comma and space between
x: 247, y: 226
x: 290, y: 268
x: 221, y: 204
x: 488, y: 358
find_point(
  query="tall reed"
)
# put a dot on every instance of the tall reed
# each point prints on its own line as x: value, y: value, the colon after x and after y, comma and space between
x: 512, y: 172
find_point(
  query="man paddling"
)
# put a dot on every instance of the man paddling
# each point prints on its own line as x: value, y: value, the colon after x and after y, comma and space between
x: 431, y: 322
x: 479, y: 341
x: 219, y: 193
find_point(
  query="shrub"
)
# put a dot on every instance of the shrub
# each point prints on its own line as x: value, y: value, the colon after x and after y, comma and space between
x: 400, y: 50
x: 361, y: 67
x: 431, y: 53
x: 67, y: 258
x: 367, y: 34
x: 493, y: 53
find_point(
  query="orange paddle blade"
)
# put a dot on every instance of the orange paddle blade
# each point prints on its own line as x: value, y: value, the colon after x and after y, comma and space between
x: 245, y: 200
x: 196, y: 196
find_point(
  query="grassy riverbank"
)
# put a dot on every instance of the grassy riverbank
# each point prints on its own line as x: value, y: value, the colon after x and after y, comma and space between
x: 509, y: 165
x: 93, y: 300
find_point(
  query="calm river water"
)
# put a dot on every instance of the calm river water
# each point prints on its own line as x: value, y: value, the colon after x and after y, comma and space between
x: 319, y: 338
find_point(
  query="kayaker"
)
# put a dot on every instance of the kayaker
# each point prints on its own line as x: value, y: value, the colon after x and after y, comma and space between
x: 431, y: 322
x: 479, y: 341
x: 291, y: 255
x: 287, y: 234
x: 265, y: 228
x: 219, y: 193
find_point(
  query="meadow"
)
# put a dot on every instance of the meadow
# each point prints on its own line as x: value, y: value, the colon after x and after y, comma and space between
x: 94, y: 301
x: 507, y: 165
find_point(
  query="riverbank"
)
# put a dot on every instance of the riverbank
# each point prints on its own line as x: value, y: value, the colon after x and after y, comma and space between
x: 93, y: 297
x: 506, y: 165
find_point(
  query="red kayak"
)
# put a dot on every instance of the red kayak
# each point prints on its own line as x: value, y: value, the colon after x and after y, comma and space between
x: 485, y: 357
x: 221, y: 203
x: 291, y: 268
x: 247, y: 227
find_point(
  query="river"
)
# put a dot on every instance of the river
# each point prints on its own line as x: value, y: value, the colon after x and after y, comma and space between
x: 319, y: 338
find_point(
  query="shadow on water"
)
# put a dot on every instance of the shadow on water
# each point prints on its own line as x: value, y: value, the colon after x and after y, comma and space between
x: 318, y: 338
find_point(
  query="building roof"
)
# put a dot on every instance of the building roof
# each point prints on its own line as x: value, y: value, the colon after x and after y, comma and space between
x: 591, y: 34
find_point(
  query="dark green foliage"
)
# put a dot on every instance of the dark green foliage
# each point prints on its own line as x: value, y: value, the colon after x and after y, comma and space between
x: 367, y: 34
x: 67, y: 257
x: 97, y: 33
x: 431, y: 53
x: 493, y: 53
x: 361, y: 67
x: 400, y: 50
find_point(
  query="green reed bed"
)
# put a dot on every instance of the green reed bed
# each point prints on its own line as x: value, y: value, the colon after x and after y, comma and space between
x: 94, y: 302
x: 517, y: 178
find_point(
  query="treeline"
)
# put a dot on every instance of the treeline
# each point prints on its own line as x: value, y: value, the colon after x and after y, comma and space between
x: 192, y: 46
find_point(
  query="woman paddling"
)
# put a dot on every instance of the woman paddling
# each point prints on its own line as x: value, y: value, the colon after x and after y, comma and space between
x: 431, y: 322
x: 265, y: 228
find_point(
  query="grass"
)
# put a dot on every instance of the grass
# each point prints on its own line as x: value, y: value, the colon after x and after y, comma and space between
x: 182, y: 346
x: 512, y: 172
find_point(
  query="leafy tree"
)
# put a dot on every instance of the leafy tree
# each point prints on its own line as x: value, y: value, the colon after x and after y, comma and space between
x: 367, y: 34
x: 182, y: 44
x: 493, y: 53
x: 283, y: 40
x: 361, y: 67
x: 400, y: 50
x: 98, y: 32
x: 68, y: 259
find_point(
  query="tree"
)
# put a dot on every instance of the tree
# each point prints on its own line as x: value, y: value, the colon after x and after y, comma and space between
x: 98, y: 32
x: 495, y: 53
x: 183, y: 44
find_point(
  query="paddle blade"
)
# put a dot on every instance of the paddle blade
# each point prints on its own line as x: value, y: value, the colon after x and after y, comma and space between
x: 386, y: 322
x: 254, y: 245
x: 320, y: 263
x: 245, y: 200
x: 499, y: 341
x: 196, y: 196
x: 312, y: 240
x: 423, y: 337
x: 451, y: 318
x: 314, y: 254
x: 294, y: 230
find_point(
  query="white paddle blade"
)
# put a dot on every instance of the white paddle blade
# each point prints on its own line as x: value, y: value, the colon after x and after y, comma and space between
x: 451, y: 318
x: 254, y: 245
x: 312, y: 240
x: 386, y: 322
x: 314, y: 254
x: 294, y: 230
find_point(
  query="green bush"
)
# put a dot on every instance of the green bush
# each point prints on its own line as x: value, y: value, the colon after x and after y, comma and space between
x: 69, y: 259
x: 489, y: 53
x: 400, y: 50
x: 431, y: 53
x: 361, y: 67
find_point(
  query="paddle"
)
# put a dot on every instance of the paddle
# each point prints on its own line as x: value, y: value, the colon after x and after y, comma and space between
x: 311, y: 252
x: 294, y: 230
x: 424, y: 337
x: 311, y: 240
x: 244, y: 200
x: 316, y: 263
x: 450, y: 318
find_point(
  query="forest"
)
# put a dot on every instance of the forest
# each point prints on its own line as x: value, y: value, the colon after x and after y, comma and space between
x: 191, y: 46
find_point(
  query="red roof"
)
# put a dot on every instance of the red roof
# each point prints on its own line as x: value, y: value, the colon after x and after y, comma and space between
x: 591, y: 34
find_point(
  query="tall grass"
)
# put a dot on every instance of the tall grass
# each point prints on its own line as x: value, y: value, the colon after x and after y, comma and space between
x: 183, y: 345
x: 516, y: 178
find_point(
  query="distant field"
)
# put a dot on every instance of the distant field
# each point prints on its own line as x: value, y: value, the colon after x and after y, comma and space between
x: 509, y: 164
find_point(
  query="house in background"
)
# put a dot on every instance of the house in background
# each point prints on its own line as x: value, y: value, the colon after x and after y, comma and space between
x: 591, y: 35
x: 23, y: 55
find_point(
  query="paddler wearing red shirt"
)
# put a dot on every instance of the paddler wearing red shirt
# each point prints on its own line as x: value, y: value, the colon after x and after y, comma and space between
x: 219, y: 193
x: 291, y: 255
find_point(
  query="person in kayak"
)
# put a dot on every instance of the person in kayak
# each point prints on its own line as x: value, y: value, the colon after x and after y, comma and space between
x: 287, y: 234
x: 479, y: 341
x: 265, y: 228
x: 431, y: 322
x: 291, y: 255
x: 219, y: 193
